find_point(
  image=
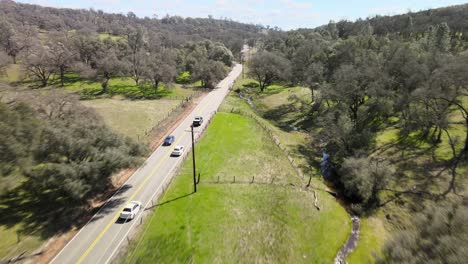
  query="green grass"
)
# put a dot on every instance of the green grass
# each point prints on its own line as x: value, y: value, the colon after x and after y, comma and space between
x: 232, y: 223
x: 107, y: 35
x: 11, y: 247
x: 12, y: 73
x: 132, y: 118
x: 122, y: 86
x: 296, y: 142
x: 371, y: 240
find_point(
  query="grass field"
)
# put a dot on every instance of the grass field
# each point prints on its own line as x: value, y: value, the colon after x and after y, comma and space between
x: 10, y: 246
x: 274, y: 100
x: 371, y: 239
x: 132, y: 118
x: 232, y: 223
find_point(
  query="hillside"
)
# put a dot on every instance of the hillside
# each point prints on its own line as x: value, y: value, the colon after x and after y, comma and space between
x: 173, y: 31
x: 416, y: 23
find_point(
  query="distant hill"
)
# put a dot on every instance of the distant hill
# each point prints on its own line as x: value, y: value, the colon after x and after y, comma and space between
x: 173, y: 29
x: 417, y: 22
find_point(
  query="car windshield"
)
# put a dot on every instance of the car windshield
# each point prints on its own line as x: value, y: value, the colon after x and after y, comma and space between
x: 168, y: 139
x: 176, y: 149
x: 127, y: 210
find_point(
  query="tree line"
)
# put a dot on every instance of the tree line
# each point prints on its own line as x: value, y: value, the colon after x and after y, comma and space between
x: 362, y: 83
x: 138, y: 54
x: 173, y: 31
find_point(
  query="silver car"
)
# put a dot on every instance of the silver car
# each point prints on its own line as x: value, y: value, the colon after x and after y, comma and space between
x: 178, y: 151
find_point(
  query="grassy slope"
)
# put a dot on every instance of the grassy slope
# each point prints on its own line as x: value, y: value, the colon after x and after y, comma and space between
x: 132, y: 118
x: 276, y: 97
x: 10, y: 246
x: 240, y: 223
x: 276, y: 105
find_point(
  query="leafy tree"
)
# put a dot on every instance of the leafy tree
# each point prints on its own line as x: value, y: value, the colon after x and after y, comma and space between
x: 218, y: 52
x: 209, y: 72
x: 438, y: 235
x: 87, y: 46
x: 439, y: 38
x: 267, y: 67
x: 161, y: 67
x: 363, y: 178
x: 448, y: 87
x: 65, y: 153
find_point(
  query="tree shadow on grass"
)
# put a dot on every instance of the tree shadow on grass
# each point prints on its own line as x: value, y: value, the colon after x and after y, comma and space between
x: 309, y: 154
x: 279, y: 114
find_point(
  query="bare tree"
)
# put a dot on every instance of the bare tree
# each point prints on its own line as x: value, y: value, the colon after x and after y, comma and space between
x: 14, y: 41
x: 108, y: 65
x: 62, y: 54
x: 136, y: 43
x: 39, y: 64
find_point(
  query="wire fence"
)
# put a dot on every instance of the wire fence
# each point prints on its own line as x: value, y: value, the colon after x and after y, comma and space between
x: 274, y: 138
x: 154, y: 201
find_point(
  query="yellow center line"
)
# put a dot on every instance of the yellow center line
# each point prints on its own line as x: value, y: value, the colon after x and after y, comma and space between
x: 128, y: 200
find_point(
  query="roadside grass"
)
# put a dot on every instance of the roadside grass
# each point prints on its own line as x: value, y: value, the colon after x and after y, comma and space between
x: 132, y: 118
x: 232, y: 223
x: 371, y: 239
x: 13, y: 243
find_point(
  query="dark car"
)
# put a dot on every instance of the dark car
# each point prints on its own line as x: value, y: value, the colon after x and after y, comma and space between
x: 169, y: 140
x: 197, y: 121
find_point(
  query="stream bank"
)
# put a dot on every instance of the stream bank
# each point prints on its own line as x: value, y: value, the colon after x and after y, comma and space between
x: 353, y: 238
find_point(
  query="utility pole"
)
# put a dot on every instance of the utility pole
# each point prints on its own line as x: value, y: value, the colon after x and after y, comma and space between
x: 193, y: 158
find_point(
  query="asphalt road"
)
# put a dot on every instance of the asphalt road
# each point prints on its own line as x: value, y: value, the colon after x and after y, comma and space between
x: 99, y: 240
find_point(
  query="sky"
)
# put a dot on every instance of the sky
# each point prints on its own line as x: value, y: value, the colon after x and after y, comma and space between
x: 285, y: 14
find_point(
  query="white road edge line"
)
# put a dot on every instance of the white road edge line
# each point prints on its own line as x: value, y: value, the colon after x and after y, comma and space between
x: 142, y: 212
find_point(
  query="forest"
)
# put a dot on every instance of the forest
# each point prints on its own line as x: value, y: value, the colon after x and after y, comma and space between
x: 365, y: 80
x: 406, y: 74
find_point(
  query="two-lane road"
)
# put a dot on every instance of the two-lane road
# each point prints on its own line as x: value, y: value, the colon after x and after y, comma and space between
x: 101, y: 237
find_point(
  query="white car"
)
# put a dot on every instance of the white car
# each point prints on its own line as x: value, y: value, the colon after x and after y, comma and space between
x: 178, y: 151
x: 131, y: 210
